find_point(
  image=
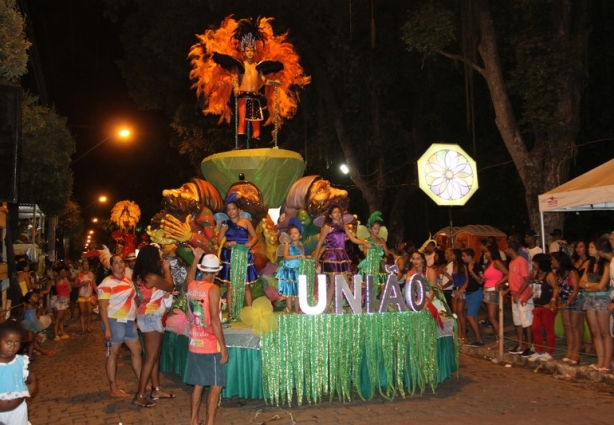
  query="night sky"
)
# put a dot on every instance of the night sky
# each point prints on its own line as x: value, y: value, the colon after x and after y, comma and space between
x: 78, y: 49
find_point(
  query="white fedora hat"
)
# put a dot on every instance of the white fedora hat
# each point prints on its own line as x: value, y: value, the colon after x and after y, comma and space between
x: 209, y: 264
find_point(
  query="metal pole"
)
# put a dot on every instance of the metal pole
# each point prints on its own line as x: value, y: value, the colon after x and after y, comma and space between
x: 501, y: 325
x: 236, y: 123
x: 276, y: 114
x: 451, y: 228
x: 91, y: 149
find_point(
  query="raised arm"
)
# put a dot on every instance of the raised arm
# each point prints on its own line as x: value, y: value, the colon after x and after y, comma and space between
x: 198, y: 253
x: 216, y: 324
x: 355, y: 239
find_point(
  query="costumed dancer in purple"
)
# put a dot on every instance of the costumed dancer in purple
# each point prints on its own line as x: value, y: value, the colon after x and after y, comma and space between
x: 237, y: 236
x: 333, y: 258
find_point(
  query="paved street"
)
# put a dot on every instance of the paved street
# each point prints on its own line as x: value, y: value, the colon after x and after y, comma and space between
x: 73, y: 390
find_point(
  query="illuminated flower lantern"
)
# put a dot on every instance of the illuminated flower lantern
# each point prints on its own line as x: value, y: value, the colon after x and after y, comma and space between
x: 447, y: 174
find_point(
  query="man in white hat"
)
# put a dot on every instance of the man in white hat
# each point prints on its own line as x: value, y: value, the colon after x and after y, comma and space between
x: 207, y: 353
x: 130, y: 261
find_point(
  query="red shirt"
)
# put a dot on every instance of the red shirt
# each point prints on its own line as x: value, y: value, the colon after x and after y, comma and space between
x: 518, y: 271
x: 202, y: 338
x: 63, y: 288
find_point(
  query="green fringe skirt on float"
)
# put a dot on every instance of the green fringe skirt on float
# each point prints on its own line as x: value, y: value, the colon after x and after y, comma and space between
x: 331, y: 355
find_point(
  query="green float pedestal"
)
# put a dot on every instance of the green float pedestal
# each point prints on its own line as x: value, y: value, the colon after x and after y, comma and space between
x: 273, y: 171
x: 404, y: 353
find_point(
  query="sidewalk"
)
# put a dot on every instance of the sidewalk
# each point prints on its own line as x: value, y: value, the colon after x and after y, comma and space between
x: 73, y: 387
x: 556, y: 367
x: 74, y: 391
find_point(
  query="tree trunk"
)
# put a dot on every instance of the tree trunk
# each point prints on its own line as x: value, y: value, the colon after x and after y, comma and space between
x: 369, y: 193
x: 547, y: 165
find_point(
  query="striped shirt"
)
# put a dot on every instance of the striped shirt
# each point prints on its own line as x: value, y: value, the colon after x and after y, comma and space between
x: 120, y: 293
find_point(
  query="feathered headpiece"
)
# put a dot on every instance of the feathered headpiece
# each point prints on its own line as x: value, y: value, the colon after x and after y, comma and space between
x: 293, y: 222
x: 126, y: 214
x: 375, y: 217
x: 425, y: 244
x: 215, y: 83
x: 231, y: 198
x: 248, y: 32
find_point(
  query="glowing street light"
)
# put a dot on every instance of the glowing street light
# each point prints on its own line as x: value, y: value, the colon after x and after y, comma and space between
x: 124, y: 133
x: 344, y: 169
x: 102, y: 199
x: 94, y: 220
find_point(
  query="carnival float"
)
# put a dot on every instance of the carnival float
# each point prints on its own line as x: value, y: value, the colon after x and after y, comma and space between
x: 389, y: 345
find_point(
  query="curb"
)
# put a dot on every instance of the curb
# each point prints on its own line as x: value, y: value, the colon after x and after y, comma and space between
x: 554, y: 367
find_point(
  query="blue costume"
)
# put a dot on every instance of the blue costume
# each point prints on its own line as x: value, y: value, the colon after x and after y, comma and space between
x: 287, y: 274
x: 240, y: 235
x: 30, y: 321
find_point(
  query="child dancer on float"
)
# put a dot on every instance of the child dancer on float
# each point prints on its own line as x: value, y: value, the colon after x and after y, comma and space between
x: 16, y: 383
x: 287, y: 274
x: 334, y: 260
x: 376, y: 254
x: 239, y: 236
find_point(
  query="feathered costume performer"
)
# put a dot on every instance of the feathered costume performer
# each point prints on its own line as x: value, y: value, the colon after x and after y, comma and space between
x: 126, y: 215
x: 219, y: 67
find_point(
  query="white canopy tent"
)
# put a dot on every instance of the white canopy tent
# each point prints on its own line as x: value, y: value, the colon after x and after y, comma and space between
x: 592, y: 191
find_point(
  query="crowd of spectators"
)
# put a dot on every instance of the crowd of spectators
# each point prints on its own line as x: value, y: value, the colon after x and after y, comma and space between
x: 571, y: 284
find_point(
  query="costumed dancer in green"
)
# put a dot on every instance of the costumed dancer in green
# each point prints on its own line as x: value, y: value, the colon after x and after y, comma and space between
x: 376, y: 251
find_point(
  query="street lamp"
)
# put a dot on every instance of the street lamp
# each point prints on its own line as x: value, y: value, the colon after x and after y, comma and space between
x: 124, y: 133
x: 102, y: 199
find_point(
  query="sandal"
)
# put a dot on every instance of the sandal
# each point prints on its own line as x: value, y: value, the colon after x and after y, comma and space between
x: 604, y: 370
x: 162, y: 395
x: 49, y: 353
x: 144, y: 403
x: 119, y: 394
x: 594, y: 367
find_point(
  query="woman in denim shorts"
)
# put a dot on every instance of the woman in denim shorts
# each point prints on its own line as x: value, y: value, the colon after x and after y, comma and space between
x: 596, y: 285
x: 153, y: 282
x: 570, y: 302
x: 495, y: 276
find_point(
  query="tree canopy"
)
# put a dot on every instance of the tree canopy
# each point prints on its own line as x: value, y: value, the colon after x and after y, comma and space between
x: 13, y: 43
x: 376, y: 105
x: 46, y: 147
